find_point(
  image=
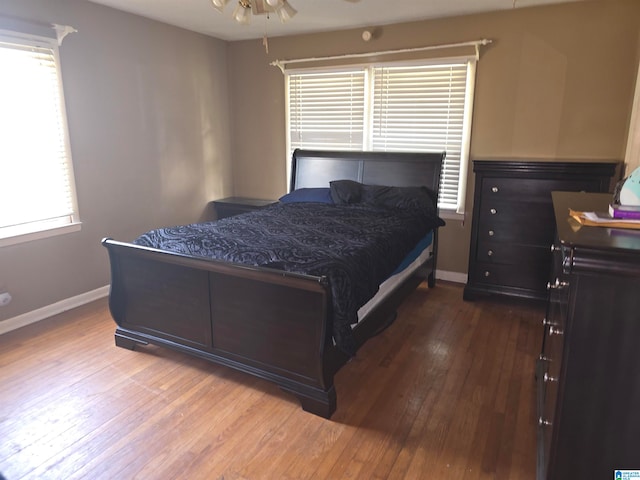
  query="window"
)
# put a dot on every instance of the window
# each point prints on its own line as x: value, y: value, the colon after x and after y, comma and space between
x: 388, y: 107
x: 327, y: 110
x: 36, y: 184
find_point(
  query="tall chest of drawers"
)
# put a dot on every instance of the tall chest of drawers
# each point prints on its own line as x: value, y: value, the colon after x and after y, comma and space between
x: 513, y: 223
x: 588, y: 373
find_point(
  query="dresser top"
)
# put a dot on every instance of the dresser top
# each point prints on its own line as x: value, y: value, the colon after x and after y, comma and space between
x: 594, y: 245
x: 546, y: 167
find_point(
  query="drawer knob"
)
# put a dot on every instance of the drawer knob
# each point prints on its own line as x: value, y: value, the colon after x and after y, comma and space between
x: 549, y: 378
x: 487, y: 273
x: 493, y: 211
x: 491, y: 233
x: 490, y: 253
x: 543, y: 423
x: 557, y: 285
x: 554, y: 330
x: 543, y: 358
x: 546, y: 322
x: 555, y: 248
x: 494, y: 189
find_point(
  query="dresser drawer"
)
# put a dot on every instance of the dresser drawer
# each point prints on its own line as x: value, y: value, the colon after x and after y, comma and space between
x: 531, y: 189
x: 549, y: 377
x: 499, y: 230
x: 548, y: 392
x: 544, y: 425
x: 554, y: 328
x: 516, y: 211
x: 513, y: 254
x: 550, y: 362
x: 525, y: 275
x: 558, y: 305
x: 549, y: 372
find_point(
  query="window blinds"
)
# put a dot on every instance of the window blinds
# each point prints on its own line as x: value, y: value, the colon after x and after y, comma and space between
x: 419, y: 107
x: 36, y: 180
x: 327, y: 110
x: 422, y: 109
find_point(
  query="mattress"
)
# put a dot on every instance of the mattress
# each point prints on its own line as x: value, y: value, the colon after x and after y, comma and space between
x: 412, y: 262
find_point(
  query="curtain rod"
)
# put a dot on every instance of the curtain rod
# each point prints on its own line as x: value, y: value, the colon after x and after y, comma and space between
x: 60, y: 30
x: 477, y: 43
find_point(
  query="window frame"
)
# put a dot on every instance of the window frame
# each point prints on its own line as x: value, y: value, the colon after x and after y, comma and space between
x: 44, y: 228
x: 471, y: 64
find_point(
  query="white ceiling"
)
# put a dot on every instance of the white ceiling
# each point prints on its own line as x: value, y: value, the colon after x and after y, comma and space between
x: 313, y: 15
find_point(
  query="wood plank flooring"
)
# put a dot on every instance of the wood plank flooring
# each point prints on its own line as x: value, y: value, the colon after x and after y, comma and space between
x: 447, y: 391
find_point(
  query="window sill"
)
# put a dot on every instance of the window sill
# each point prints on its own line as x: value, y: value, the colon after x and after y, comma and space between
x: 49, y: 232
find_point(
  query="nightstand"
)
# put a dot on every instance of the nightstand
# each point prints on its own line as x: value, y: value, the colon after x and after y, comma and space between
x: 230, y: 206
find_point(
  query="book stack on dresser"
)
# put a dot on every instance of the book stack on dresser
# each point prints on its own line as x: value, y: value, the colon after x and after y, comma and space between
x: 624, y: 212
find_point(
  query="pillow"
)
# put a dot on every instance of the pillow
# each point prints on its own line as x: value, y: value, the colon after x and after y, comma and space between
x: 348, y: 191
x: 321, y: 195
x: 345, y: 191
x: 401, y: 197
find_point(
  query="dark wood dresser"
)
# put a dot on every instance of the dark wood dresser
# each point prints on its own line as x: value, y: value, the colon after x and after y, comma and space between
x: 588, y: 373
x: 513, y: 226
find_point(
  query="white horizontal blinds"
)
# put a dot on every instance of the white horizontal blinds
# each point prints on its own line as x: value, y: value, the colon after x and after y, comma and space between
x: 36, y: 181
x: 422, y: 109
x: 326, y: 109
x: 414, y: 107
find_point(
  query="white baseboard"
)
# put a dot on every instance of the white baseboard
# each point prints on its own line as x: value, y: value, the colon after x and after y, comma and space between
x: 456, y: 277
x: 53, y: 309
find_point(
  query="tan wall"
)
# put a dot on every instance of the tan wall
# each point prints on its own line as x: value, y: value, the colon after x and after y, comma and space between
x: 557, y: 82
x: 147, y: 106
x: 163, y: 120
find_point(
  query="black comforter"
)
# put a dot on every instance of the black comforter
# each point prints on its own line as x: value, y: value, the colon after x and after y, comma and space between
x: 355, y: 246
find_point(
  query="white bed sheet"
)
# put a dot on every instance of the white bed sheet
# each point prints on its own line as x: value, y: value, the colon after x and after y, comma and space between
x: 390, y: 283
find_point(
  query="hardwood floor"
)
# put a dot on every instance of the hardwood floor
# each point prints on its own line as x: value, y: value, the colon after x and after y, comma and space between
x: 447, y: 391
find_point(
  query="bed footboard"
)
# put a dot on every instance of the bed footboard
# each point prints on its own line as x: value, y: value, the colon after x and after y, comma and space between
x: 264, y: 322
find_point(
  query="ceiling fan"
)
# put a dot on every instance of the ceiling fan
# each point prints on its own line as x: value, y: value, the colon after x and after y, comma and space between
x: 246, y: 8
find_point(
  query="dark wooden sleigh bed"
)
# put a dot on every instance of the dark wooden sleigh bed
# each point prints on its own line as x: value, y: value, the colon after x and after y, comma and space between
x: 269, y: 323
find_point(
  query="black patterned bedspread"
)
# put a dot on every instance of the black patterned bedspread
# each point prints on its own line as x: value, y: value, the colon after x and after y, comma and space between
x: 355, y: 246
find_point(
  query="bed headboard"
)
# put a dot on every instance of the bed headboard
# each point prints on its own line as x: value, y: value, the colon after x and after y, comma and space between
x: 316, y: 168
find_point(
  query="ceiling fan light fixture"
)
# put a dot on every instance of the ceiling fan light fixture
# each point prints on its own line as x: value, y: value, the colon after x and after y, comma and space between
x: 286, y: 12
x: 262, y: 7
x: 219, y: 4
x: 245, y: 9
x: 242, y: 13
